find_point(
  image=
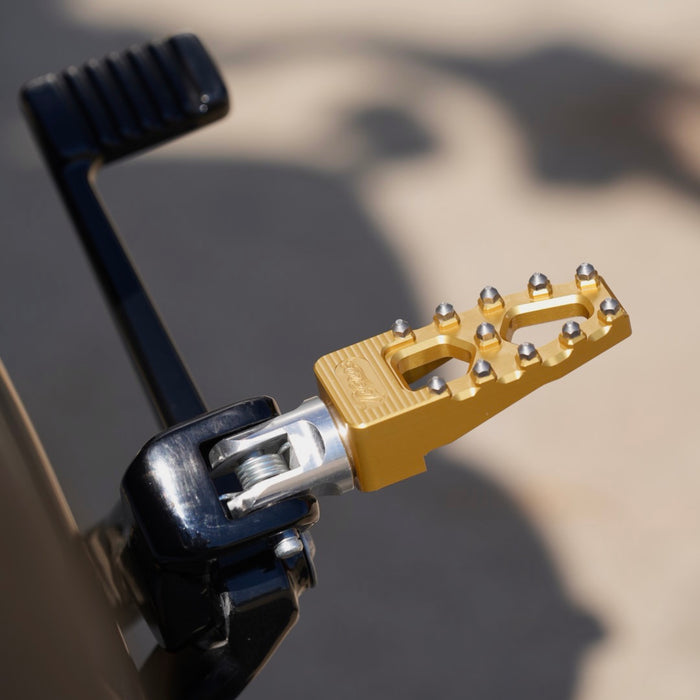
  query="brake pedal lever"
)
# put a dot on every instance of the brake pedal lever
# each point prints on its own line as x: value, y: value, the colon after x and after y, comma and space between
x: 370, y: 428
x: 105, y: 110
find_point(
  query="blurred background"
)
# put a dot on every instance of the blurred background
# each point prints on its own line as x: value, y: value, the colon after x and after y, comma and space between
x: 553, y: 552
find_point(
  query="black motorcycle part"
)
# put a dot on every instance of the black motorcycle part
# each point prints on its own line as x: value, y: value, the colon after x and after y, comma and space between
x: 198, y: 572
x: 210, y: 586
x: 108, y: 109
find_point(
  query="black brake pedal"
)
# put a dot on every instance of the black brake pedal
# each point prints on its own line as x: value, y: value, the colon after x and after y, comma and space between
x: 108, y: 109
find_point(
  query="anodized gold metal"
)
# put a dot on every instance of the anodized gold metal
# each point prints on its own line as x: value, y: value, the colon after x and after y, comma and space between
x: 388, y: 427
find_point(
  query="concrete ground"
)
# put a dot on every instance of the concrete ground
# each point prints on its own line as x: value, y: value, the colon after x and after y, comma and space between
x: 383, y: 157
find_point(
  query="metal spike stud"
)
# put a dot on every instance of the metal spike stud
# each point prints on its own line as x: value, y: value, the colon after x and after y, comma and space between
x: 489, y: 295
x: 401, y: 328
x: 485, y: 331
x: 437, y: 384
x: 444, y: 311
x: 571, y: 330
x: 482, y: 369
x: 585, y: 272
x: 609, y: 306
x: 538, y: 282
x: 527, y: 351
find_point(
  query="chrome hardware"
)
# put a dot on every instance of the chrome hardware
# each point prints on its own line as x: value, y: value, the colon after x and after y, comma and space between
x: 316, y: 461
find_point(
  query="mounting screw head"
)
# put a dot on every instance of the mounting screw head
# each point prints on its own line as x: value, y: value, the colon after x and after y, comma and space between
x: 538, y: 282
x: 485, y: 331
x: 401, y: 329
x: 437, y: 384
x: 609, y: 306
x: 444, y: 311
x: 482, y: 368
x: 585, y: 272
x: 571, y: 330
x: 288, y: 545
x: 527, y: 351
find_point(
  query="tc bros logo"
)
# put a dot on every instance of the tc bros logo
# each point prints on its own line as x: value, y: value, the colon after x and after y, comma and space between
x: 359, y: 380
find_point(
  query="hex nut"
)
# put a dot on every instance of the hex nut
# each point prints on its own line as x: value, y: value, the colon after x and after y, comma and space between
x: 445, y: 311
x: 527, y: 351
x: 489, y: 295
x: 485, y: 331
x: 571, y: 330
x: 585, y: 272
x: 538, y: 282
x: 437, y: 384
x: 482, y: 369
x: 401, y: 329
x: 609, y: 306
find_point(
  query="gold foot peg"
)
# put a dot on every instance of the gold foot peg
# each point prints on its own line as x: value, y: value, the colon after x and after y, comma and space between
x: 387, y: 427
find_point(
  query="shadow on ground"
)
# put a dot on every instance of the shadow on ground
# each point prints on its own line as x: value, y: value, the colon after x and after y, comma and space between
x: 588, y: 117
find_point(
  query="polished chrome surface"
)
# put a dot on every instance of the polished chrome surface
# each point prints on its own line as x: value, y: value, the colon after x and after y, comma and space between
x: 172, y: 496
x: 318, y: 462
x: 288, y: 545
x: 260, y: 467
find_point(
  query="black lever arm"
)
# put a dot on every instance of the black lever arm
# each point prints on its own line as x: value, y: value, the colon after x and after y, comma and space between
x: 214, y: 589
x: 105, y: 110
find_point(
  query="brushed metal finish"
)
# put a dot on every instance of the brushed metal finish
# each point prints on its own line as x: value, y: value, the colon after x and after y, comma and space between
x: 318, y: 461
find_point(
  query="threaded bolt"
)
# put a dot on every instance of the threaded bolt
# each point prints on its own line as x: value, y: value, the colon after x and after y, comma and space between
x: 288, y: 545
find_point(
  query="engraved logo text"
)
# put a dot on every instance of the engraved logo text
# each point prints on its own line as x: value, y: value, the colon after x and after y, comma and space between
x: 359, y: 380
